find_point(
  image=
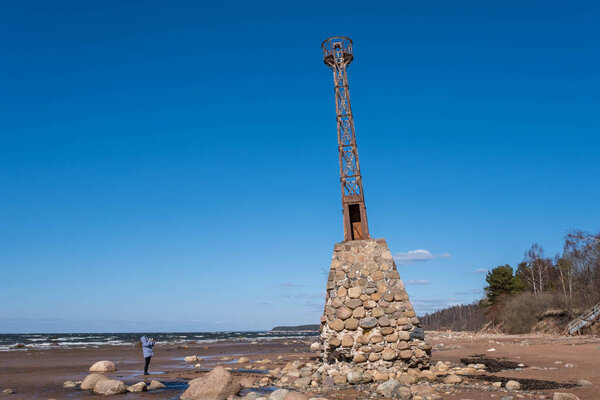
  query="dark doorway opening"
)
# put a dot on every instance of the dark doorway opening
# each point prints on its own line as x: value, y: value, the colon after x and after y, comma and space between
x: 355, y: 221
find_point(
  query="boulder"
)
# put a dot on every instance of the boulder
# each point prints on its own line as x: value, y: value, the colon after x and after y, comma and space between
x: 103, y: 366
x: 90, y: 381
x: 155, y: 385
x: 512, y: 385
x: 190, y: 359
x: 402, y: 393
x: 279, y: 394
x: 109, y: 387
x: 243, y: 360
x: 454, y: 379
x: 564, y: 396
x: 137, y: 388
x: 218, y: 384
x: 358, y: 377
x: 387, y: 387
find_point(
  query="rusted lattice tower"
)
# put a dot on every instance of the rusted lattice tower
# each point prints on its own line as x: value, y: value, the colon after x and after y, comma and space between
x: 337, y: 54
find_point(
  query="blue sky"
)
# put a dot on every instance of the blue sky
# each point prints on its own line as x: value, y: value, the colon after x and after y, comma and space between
x: 173, y: 166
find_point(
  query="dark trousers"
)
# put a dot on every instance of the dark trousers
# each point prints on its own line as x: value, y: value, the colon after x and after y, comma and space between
x: 146, y: 363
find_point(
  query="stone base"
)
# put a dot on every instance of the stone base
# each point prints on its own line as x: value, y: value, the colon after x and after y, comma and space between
x: 369, y: 322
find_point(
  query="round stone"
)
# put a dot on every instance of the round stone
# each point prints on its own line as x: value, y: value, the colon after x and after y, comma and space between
x: 359, y: 358
x: 334, y: 341
x: 392, y: 338
x: 405, y: 354
x: 419, y: 353
x: 377, y: 348
x: 376, y: 296
x: 337, y: 302
x: 353, y: 303
x: 383, y: 321
x: 374, y: 357
x: 377, y: 276
x: 403, y: 335
x: 358, y: 312
x: 380, y: 376
x: 347, y: 341
x: 377, y: 312
x: 343, y: 313
x: 362, y: 339
x: 388, y: 355
x: 366, y: 323
x: 376, y: 338
x: 369, y: 304
x: 338, y: 325
x: 403, y: 345
x: 365, y: 349
x: 351, y: 324
x: 364, y: 297
x: 381, y: 288
x: 354, y: 292
x: 384, y: 304
x: 388, y: 297
x: 388, y: 330
x: 342, y: 292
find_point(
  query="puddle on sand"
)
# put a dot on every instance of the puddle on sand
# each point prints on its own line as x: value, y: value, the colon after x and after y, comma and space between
x: 263, y: 390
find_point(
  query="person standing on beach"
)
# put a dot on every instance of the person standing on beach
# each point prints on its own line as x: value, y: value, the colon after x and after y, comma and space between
x: 147, y: 344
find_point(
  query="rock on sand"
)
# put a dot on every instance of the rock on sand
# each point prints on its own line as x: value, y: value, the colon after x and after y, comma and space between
x: 512, y: 385
x: 191, y: 359
x: 110, y: 386
x: 218, y: 384
x: 90, y: 381
x: 564, y: 396
x: 103, y: 366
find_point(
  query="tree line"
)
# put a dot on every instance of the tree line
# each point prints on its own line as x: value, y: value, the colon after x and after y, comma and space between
x: 515, y: 300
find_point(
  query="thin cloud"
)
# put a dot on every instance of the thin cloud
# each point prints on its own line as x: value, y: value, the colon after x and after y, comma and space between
x: 481, y: 271
x: 470, y: 291
x: 290, y: 284
x: 417, y: 282
x: 429, y: 305
x: 419, y: 255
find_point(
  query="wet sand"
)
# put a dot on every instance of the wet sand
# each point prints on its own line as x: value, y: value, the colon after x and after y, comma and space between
x: 39, y: 374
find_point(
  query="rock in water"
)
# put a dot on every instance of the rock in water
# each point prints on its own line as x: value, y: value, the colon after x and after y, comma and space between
x: 137, y: 388
x: 218, y: 384
x: 243, y: 360
x: 110, y: 386
x: 155, y: 385
x: 69, y: 384
x: 90, y: 381
x: 8, y: 391
x: 190, y: 359
x: 103, y: 366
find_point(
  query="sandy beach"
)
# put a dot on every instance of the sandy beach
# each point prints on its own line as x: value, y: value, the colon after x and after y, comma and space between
x: 39, y: 374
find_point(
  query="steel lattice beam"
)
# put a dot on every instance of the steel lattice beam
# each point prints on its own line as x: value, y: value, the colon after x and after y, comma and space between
x: 337, y: 55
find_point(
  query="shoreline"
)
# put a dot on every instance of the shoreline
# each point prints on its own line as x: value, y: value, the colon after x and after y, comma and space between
x: 40, y: 373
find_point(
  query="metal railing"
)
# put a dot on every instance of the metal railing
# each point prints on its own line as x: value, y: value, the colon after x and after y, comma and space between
x: 584, y: 320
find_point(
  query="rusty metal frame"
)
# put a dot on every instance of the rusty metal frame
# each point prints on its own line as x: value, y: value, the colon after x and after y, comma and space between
x: 337, y: 55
